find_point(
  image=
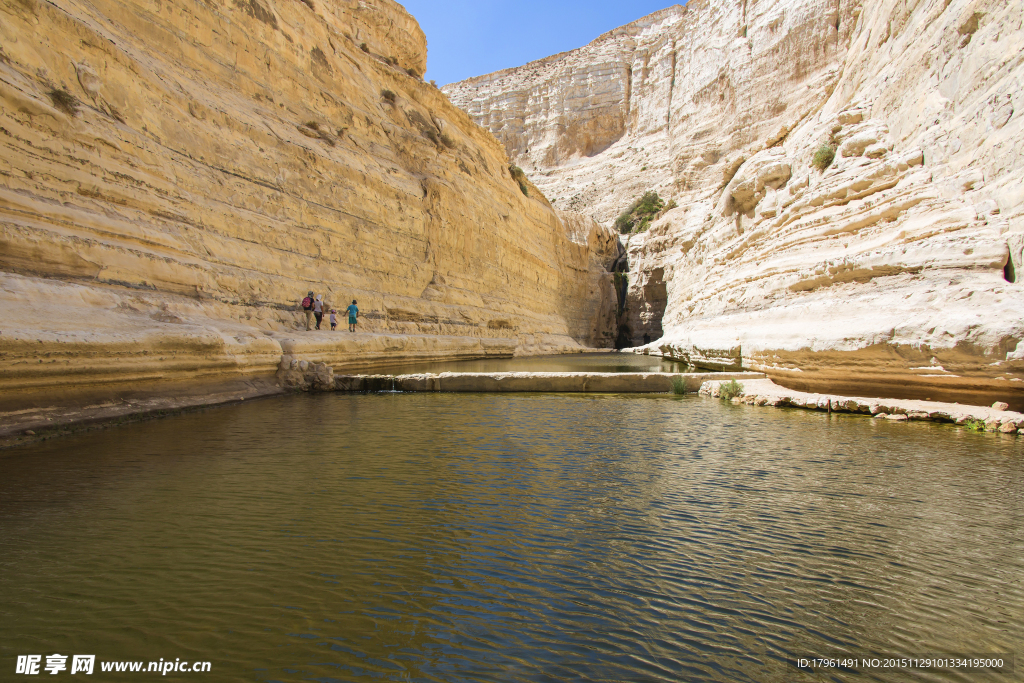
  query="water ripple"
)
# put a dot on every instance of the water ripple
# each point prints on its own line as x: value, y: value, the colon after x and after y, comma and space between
x: 513, y: 538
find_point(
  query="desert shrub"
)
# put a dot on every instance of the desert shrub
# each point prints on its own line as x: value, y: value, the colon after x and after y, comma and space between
x: 388, y: 96
x: 322, y: 134
x: 519, y: 177
x: 64, y: 101
x: 678, y: 385
x: 412, y: 72
x: 425, y: 126
x: 364, y: 47
x: 730, y: 390
x: 671, y: 205
x: 640, y: 213
x: 824, y: 156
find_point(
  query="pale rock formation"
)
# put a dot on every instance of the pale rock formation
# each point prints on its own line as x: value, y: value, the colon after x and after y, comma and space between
x: 894, y: 271
x: 673, y: 102
x: 176, y: 175
x: 764, y: 392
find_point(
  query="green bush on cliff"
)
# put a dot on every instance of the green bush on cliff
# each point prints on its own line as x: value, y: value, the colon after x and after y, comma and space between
x: 824, y: 156
x: 730, y: 390
x: 519, y: 177
x: 640, y: 213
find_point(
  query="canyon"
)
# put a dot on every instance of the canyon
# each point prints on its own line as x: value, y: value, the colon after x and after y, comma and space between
x: 177, y: 175
x: 843, y: 179
x: 890, y: 268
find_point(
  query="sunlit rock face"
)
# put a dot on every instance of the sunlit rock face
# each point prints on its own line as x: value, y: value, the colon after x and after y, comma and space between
x: 893, y: 269
x: 177, y: 175
x: 663, y: 103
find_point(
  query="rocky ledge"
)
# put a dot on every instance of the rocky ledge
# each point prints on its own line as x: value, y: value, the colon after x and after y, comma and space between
x: 764, y: 392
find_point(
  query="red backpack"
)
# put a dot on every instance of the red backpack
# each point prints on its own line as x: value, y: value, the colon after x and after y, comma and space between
x: 307, y: 303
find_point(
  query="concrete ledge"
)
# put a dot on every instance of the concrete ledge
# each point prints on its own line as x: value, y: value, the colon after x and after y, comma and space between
x: 568, y: 382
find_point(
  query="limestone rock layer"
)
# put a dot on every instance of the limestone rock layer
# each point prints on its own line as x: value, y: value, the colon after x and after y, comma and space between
x: 176, y: 175
x: 891, y: 267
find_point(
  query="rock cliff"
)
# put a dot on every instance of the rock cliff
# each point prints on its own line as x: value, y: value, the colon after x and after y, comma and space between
x: 847, y: 178
x: 176, y: 176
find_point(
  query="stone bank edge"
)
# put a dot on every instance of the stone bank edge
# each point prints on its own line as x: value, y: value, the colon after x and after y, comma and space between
x: 764, y: 392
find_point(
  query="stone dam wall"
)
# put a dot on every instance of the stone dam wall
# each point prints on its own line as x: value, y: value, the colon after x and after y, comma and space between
x: 892, y: 270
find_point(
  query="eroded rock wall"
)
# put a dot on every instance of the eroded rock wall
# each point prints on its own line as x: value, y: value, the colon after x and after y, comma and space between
x: 670, y: 102
x: 176, y: 176
x: 893, y: 270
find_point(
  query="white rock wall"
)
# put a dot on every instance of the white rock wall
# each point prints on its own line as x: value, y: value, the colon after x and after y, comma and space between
x: 890, y: 271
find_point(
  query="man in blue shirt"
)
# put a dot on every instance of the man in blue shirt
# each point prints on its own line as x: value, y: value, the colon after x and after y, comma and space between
x: 352, y: 313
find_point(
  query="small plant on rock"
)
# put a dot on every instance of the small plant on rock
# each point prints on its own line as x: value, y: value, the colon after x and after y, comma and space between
x: 64, y: 101
x: 678, y: 385
x: 519, y: 177
x: 364, y: 47
x: 638, y: 217
x: 974, y: 425
x: 388, y: 96
x: 730, y: 390
x: 824, y: 156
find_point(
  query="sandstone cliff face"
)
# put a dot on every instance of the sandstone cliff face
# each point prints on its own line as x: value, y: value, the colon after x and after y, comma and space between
x: 894, y: 270
x: 177, y: 175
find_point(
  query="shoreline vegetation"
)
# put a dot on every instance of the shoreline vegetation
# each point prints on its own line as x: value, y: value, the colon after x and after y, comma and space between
x: 28, y: 426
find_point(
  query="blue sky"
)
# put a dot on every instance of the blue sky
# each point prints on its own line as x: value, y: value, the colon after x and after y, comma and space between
x: 473, y: 37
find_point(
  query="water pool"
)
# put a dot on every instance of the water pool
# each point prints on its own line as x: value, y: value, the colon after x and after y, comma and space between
x: 447, y: 537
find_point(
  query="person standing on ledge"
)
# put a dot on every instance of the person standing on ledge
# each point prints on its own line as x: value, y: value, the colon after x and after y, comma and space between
x: 353, y: 312
x: 318, y: 309
x: 307, y: 306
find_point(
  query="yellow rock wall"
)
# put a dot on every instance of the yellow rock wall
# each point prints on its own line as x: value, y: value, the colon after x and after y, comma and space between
x: 174, y: 176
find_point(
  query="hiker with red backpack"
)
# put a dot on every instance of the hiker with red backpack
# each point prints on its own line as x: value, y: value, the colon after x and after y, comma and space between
x: 307, y: 306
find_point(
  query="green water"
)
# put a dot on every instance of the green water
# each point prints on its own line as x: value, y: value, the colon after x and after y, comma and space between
x: 578, y: 362
x: 446, y: 537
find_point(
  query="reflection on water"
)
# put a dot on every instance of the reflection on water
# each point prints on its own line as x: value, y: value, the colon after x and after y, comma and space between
x: 571, y: 362
x: 445, y: 537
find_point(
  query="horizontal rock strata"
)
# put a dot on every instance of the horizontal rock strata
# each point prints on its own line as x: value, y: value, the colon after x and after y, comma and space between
x: 177, y: 175
x: 892, y: 267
